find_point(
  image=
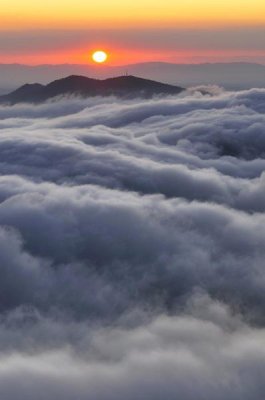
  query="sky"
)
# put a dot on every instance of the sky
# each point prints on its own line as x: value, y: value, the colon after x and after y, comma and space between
x: 143, y: 30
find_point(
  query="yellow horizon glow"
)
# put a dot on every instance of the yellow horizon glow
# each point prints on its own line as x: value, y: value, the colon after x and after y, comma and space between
x: 119, y: 57
x: 30, y: 14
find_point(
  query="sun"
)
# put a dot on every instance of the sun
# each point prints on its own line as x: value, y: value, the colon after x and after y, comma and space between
x: 99, y: 56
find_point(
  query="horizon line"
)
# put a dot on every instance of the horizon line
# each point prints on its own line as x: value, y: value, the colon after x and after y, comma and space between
x: 132, y: 64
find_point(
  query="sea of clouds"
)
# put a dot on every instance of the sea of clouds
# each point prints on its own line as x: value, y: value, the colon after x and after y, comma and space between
x: 132, y: 248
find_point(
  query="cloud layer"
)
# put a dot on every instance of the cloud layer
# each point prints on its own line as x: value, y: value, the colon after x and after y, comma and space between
x: 132, y: 247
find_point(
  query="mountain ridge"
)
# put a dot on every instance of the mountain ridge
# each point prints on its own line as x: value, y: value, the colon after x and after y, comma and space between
x: 122, y: 86
x: 235, y: 75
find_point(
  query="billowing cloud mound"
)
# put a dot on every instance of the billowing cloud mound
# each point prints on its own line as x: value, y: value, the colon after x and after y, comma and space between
x: 132, y: 247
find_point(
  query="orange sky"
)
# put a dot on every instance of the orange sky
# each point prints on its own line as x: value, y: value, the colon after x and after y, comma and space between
x: 83, y: 13
x: 123, y: 56
x: 25, y: 25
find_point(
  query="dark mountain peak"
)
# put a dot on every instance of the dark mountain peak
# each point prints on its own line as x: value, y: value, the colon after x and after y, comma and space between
x: 122, y: 86
x: 29, y: 86
x: 29, y: 89
x: 70, y: 81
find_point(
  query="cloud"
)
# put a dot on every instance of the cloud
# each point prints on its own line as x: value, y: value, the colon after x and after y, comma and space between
x: 132, y: 248
x: 197, y: 355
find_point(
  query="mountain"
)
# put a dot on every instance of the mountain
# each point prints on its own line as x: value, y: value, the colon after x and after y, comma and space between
x: 233, y: 76
x: 122, y: 86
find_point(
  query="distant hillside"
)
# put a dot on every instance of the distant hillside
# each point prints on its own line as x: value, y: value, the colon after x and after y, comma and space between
x: 123, y: 86
x: 233, y: 76
x: 229, y: 75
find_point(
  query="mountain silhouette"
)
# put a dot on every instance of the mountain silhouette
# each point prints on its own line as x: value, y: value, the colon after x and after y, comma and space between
x: 231, y: 76
x: 122, y: 86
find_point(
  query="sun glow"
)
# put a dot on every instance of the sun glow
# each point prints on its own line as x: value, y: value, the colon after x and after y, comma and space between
x: 99, y: 56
